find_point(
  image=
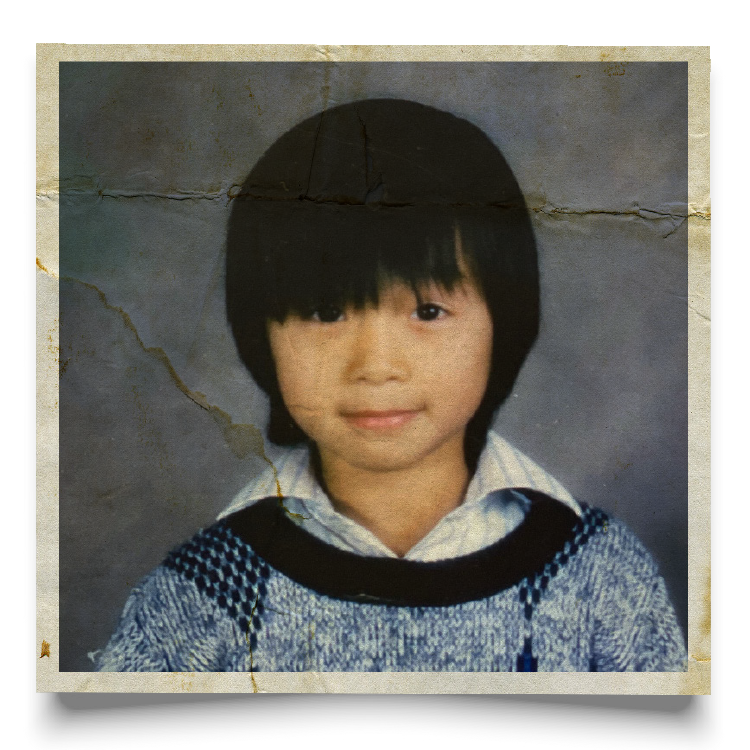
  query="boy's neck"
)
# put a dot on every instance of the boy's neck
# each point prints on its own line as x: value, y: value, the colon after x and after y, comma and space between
x: 401, y: 506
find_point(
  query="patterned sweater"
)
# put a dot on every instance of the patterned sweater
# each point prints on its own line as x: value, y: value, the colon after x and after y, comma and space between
x: 255, y: 592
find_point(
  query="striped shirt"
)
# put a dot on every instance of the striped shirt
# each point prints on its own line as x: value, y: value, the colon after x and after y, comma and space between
x: 489, y: 511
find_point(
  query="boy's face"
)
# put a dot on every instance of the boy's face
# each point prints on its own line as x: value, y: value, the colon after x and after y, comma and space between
x: 384, y: 388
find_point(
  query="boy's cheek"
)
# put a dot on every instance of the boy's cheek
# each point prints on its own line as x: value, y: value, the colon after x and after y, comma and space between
x: 291, y: 346
x: 303, y: 408
x: 302, y: 400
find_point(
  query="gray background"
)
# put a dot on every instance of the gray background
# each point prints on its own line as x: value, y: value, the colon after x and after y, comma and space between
x: 160, y: 424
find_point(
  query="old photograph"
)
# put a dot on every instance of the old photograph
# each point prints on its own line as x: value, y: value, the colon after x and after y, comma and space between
x: 373, y: 366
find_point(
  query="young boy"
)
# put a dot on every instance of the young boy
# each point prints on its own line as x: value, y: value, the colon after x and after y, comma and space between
x: 382, y: 288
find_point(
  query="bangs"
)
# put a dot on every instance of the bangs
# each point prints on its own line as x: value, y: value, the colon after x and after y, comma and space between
x: 345, y: 255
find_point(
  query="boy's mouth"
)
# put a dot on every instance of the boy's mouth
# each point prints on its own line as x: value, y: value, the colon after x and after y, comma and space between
x: 369, y: 419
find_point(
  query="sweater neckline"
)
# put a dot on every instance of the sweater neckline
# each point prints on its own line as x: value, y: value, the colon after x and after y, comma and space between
x: 266, y: 527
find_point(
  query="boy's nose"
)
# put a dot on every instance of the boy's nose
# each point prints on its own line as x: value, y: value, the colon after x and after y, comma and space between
x: 378, y: 352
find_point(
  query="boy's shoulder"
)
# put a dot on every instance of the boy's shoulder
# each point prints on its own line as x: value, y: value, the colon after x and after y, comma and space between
x: 221, y: 565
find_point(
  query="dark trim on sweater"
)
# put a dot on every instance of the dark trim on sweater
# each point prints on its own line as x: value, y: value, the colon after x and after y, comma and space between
x: 294, y: 552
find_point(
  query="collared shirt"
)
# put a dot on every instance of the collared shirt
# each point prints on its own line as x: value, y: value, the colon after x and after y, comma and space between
x: 489, y: 511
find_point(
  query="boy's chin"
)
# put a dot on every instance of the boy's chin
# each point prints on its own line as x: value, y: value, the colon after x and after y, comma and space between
x: 376, y: 463
x: 383, y: 456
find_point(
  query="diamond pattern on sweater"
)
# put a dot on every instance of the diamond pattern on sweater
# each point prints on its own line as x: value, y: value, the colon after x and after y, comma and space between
x: 225, y: 569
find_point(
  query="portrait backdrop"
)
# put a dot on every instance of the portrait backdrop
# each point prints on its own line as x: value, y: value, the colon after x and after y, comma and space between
x: 160, y: 424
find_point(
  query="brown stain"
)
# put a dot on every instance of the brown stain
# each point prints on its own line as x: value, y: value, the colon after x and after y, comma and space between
x: 186, y: 681
x: 249, y: 647
x: 54, y: 349
x: 74, y: 355
x: 285, y: 509
x: 46, y: 270
x: 615, y: 69
x: 45, y: 650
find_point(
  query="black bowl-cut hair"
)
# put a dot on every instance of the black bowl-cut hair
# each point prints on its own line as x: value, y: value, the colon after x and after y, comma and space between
x: 369, y: 192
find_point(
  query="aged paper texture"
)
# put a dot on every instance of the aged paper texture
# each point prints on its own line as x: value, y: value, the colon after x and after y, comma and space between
x: 148, y: 423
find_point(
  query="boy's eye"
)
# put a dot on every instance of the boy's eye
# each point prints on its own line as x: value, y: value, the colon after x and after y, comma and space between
x: 429, y: 311
x: 328, y: 314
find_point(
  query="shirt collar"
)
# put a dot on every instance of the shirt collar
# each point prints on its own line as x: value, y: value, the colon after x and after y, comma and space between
x: 501, y: 466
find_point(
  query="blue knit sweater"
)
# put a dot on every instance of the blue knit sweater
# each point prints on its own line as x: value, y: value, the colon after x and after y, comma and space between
x: 255, y: 592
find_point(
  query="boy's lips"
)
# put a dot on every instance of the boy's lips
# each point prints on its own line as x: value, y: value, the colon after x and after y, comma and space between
x: 385, y: 419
